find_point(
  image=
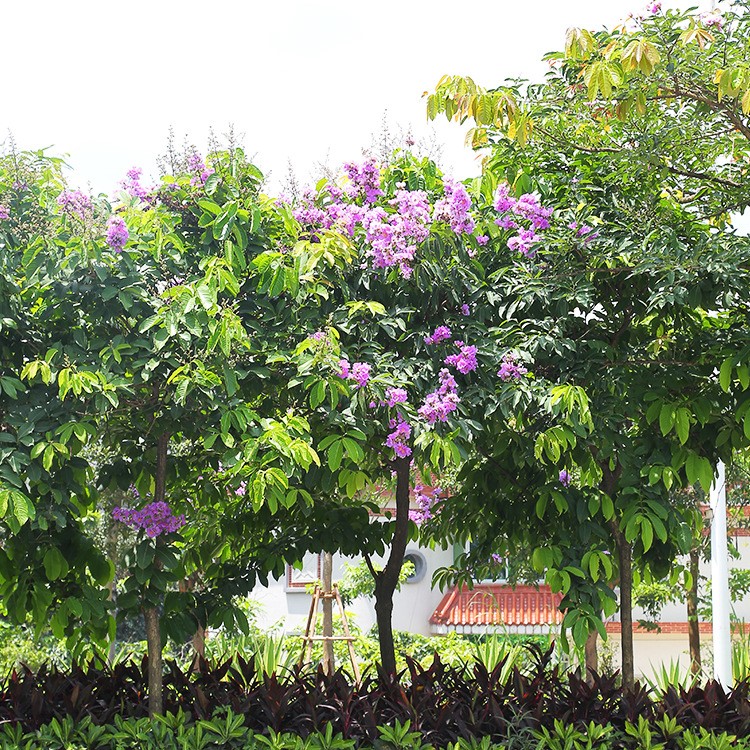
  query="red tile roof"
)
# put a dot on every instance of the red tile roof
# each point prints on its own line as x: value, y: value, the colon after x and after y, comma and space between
x: 497, y: 604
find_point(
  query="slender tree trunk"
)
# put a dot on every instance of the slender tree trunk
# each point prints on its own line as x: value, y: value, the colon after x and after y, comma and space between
x: 155, y: 677
x: 387, y: 580
x: 694, y: 635
x: 591, y: 656
x: 625, y: 558
x: 151, y: 614
x: 328, y: 657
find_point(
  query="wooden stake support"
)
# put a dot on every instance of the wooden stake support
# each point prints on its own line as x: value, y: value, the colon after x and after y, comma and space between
x: 312, y: 619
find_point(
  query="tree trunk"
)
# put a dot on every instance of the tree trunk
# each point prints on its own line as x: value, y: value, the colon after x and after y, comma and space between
x: 591, y: 657
x: 328, y: 657
x: 694, y: 635
x: 155, y: 677
x: 610, y: 478
x: 151, y: 613
x: 625, y: 557
x: 387, y: 580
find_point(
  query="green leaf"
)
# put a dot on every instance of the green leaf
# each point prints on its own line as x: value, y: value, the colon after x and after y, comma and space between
x: 55, y: 565
x: 725, y: 374
x: 335, y: 454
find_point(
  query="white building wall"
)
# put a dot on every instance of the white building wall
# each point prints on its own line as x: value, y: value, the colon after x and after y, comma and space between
x: 288, y: 608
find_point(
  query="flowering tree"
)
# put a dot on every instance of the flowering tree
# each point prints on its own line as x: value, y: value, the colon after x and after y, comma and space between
x: 151, y: 328
x: 627, y: 319
x: 387, y: 354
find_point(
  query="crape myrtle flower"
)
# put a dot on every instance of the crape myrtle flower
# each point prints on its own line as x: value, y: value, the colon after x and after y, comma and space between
x: 424, y: 502
x: 74, y: 202
x: 510, y: 369
x: 132, y: 184
x: 564, y: 478
x: 441, y: 333
x: 440, y: 403
x: 398, y: 438
x: 466, y: 359
x: 395, y: 396
x: 155, y: 519
x: 4, y: 213
x: 117, y: 233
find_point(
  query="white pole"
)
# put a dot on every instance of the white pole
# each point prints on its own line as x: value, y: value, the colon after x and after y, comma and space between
x: 720, y: 581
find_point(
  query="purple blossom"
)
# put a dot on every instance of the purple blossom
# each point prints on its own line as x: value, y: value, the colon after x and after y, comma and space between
x: 564, y: 478
x: 465, y: 309
x: 504, y: 201
x: 364, y: 181
x: 482, y: 239
x: 713, y: 19
x: 132, y: 184
x: 241, y: 490
x: 399, y: 437
x: 523, y: 241
x: 393, y: 238
x: 424, y: 502
x: 510, y: 369
x: 654, y: 8
x: 441, y: 333
x: 4, y: 213
x: 117, y: 233
x: 200, y: 171
x: 440, y: 403
x: 466, y: 359
x: 74, y: 202
x: 497, y: 559
x: 454, y: 208
x: 344, y: 368
x: 514, y: 212
x: 309, y: 214
x: 395, y: 396
x: 318, y: 336
x: 155, y: 519
x: 361, y: 373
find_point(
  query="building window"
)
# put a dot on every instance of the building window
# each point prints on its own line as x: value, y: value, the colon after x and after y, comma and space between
x: 417, y: 559
x: 298, y: 579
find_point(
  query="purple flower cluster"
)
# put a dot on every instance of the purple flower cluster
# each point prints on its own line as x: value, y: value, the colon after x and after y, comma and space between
x: 241, y: 490
x: 654, y: 8
x: 465, y: 310
x: 713, y: 19
x: 482, y: 239
x: 513, y: 210
x: 359, y: 372
x: 440, y: 403
x: 4, y: 213
x: 466, y: 359
x: 74, y: 202
x: 395, y: 396
x: 398, y: 439
x: 393, y: 237
x: 441, y: 333
x: 564, y: 478
x: 455, y: 208
x: 117, y: 233
x: 424, y: 502
x: 155, y: 519
x: 200, y: 171
x: 364, y: 181
x: 584, y: 230
x: 132, y: 184
x: 311, y: 215
x: 510, y: 369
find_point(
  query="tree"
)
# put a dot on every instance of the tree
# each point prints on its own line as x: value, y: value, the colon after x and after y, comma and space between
x: 384, y: 363
x: 625, y: 319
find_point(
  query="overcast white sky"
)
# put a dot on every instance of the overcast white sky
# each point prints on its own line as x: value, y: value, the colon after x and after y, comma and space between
x: 303, y: 81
